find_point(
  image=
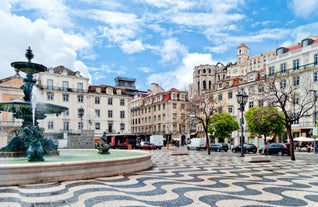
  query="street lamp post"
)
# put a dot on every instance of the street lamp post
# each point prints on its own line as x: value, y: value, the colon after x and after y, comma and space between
x: 314, y: 120
x: 241, y: 98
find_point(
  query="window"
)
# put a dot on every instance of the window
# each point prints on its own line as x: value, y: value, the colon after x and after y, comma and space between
x: 163, y: 106
x: 296, y: 64
x: 50, y: 84
x: 315, y: 76
x: 122, y: 126
x: 230, y: 109
x: 97, y: 126
x: 220, y: 97
x: 80, y: 125
x: 154, y: 108
x: 50, y: 96
x: 182, y: 106
x: 65, y: 97
x: 97, y: 100
x: 65, y: 86
x: 110, y: 114
x: 122, y: 102
x: 66, y: 126
x: 250, y: 104
x: 174, y: 106
x: 315, y: 59
x: 260, y: 89
x: 50, y: 125
x: 283, y: 83
x: 174, y: 116
x: 80, y: 87
x: 296, y: 81
x: 159, y: 107
x: 110, y: 127
x: 182, y: 96
x: 230, y: 95
x: 80, y: 99
x: 97, y: 112
x: 122, y: 114
x: 283, y: 68
x: 261, y: 103
x: 174, y: 96
x: 110, y: 101
x: 271, y: 71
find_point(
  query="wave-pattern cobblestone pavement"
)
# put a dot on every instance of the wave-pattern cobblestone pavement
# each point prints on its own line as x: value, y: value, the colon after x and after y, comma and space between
x: 196, y: 179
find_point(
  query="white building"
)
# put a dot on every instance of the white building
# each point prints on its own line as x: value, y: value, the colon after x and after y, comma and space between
x: 104, y: 108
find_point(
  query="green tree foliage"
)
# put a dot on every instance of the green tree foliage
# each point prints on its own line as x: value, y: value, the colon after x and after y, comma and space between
x: 222, y: 125
x: 265, y: 121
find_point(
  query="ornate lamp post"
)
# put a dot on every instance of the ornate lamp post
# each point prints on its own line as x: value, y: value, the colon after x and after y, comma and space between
x: 241, y: 98
x: 314, y: 120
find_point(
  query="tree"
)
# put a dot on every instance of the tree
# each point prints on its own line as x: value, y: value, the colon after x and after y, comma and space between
x: 221, y: 125
x: 265, y: 121
x: 201, y: 108
x: 291, y: 96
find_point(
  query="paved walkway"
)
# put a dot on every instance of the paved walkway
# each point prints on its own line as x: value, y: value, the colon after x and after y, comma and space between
x: 196, y: 179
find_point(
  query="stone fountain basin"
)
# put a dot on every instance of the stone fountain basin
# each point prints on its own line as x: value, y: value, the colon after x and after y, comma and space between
x: 44, y: 172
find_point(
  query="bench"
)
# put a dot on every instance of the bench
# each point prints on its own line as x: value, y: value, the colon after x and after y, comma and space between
x: 257, y: 159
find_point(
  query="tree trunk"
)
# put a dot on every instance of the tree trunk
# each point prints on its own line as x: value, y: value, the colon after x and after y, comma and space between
x: 207, y: 143
x: 291, y: 143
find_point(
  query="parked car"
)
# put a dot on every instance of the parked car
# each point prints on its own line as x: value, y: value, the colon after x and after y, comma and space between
x: 197, y: 144
x: 145, y: 145
x: 247, y: 148
x: 219, y: 147
x: 278, y: 148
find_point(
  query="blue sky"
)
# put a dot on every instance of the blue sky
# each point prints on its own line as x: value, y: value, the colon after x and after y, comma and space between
x: 153, y: 41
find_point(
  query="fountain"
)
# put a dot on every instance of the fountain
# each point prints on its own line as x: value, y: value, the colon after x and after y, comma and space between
x: 72, y: 164
x: 29, y: 138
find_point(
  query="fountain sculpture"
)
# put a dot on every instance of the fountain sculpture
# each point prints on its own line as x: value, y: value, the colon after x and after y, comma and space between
x: 29, y: 138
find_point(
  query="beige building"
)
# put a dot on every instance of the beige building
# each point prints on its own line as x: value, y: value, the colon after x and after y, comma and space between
x: 298, y: 63
x: 161, y: 112
x: 9, y: 91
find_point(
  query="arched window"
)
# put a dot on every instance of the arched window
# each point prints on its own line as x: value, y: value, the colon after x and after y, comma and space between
x: 204, y: 71
x: 204, y: 85
x: 199, y: 86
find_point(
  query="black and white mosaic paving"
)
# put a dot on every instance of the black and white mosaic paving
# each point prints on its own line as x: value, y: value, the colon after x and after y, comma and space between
x: 197, y: 179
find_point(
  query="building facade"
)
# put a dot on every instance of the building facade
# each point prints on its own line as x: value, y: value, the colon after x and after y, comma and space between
x: 100, y: 108
x: 297, y: 63
x: 10, y: 90
x: 161, y: 112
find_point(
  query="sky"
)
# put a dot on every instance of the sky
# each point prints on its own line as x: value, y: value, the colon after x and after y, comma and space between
x: 152, y: 41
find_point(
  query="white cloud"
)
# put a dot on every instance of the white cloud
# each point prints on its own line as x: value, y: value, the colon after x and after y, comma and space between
x: 130, y: 47
x: 183, y: 75
x: 51, y: 46
x: 171, y: 50
x: 145, y: 69
x: 303, y: 8
x: 53, y: 11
